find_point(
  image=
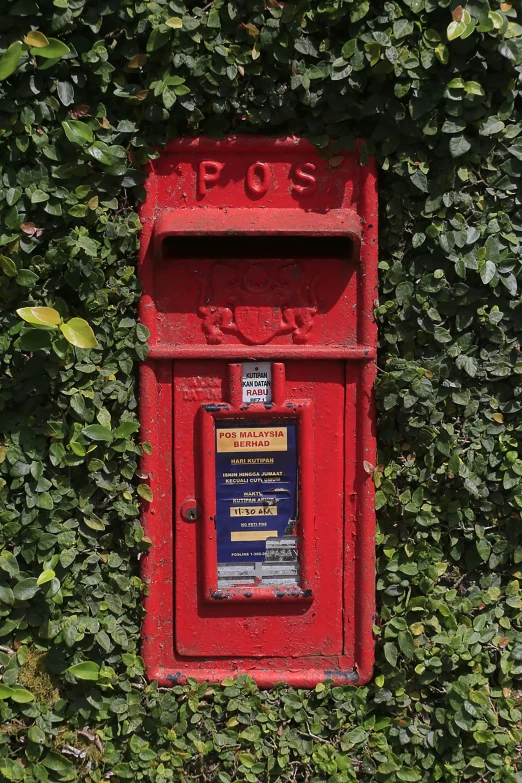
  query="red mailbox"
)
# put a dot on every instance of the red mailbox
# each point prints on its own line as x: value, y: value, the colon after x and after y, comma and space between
x: 258, y: 264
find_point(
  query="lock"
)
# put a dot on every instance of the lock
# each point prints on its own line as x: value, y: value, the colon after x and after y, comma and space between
x: 189, y: 511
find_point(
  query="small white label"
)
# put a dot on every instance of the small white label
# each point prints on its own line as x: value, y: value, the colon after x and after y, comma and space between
x: 256, y: 381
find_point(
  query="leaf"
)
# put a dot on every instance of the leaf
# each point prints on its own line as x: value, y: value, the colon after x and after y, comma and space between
x: 45, y: 576
x: 37, y: 39
x: 474, y: 88
x: 157, y: 39
x: 391, y: 653
x: 487, y: 272
x: 33, y: 340
x: 40, y: 316
x: 87, y: 670
x: 126, y: 428
x: 57, y: 763
x: 65, y: 92
x: 442, y: 335
x: 101, y: 152
x: 6, y: 595
x: 408, y: 775
x: 145, y: 492
x: 79, y: 333
x: 458, y: 146
x: 21, y: 695
x: 54, y: 50
x: 25, y: 589
x: 483, y: 548
x: 420, y: 180
x: 455, y: 30
x: 491, y: 126
x: 78, y: 132
x: 8, y: 266
x: 175, y: 22
x: 28, y: 228
x: 10, y: 59
x: 406, y: 645
x: 98, y: 432
x: 5, y: 691
x: 138, y: 61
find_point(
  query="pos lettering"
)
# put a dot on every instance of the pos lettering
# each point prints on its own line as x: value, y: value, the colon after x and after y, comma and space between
x: 258, y: 178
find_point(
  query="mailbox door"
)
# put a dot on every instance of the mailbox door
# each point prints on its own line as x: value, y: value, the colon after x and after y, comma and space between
x: 279, y: 628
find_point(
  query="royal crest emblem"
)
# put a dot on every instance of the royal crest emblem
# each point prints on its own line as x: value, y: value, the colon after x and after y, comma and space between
x: 255, y: 304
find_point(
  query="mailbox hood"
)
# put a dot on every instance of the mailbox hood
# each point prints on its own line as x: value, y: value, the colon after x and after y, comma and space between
x: 261, y: 222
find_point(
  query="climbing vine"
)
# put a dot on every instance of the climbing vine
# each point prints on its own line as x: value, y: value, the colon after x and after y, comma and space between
x: 88, y: 92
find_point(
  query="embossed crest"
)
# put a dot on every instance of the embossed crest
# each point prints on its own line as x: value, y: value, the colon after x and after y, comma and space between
x: 237, y: 302
x: 258, y: 325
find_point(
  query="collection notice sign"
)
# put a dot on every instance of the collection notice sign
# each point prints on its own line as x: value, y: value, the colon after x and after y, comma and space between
x: 256, y: 488
x: 256, y: 381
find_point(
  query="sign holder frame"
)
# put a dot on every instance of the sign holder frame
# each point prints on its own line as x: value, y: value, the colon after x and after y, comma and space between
x: 300, y: 411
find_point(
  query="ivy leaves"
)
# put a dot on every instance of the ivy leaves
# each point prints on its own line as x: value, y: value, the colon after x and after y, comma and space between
x: 88, y: 97
x: 38, y: 45
x: 76, y: 331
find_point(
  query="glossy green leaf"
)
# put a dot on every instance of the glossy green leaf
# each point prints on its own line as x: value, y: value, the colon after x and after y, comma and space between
x: 8, y: 266
x: 10, y: 59
x: 25, y: 589
x: 79, y: 333
x: 54, y: 50
x: 87, y: 670
x: 45, y: 576
x: 98, y: 432
x: 78, y: 132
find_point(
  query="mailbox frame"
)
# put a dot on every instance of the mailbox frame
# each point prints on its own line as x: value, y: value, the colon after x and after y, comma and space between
x: 359, y: 225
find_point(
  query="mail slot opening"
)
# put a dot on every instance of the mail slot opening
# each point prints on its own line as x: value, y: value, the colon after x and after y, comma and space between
x: 252, y: 246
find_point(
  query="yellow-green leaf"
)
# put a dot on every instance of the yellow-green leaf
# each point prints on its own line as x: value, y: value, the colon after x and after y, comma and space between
x: 79, y: 333
x: 21, y: 695
x: 8, y: 266
x: 145, y: 492
x: 45, y: 576
x: 37, y: 39
x: 40, y: 316
x: 175, y: 22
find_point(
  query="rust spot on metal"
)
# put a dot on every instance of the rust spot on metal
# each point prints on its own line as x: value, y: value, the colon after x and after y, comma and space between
x: 347, y: 676
x: 175, y: 677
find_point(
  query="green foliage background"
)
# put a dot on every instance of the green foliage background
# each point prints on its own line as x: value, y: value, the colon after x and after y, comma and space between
x: 442, y: 118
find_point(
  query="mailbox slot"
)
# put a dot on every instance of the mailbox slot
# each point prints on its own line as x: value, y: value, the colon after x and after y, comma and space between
x: 242, y: 245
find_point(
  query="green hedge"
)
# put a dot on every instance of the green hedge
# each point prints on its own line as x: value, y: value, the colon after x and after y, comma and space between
x: 83, y: 103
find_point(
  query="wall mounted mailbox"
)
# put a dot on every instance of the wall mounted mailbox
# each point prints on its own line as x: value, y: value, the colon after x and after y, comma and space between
x: 258, y: 265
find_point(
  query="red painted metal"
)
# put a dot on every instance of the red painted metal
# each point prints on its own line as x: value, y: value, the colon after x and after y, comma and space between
x: 256, y: 249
